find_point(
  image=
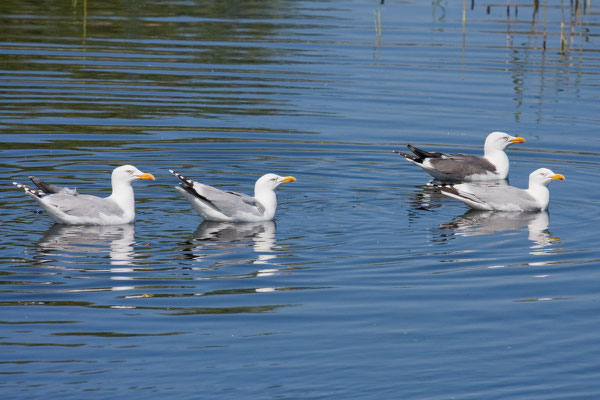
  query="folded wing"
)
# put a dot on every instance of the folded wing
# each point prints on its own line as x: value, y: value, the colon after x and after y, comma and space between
x: 503, y: 198
x: 227, y: 203
x: 83, y: 205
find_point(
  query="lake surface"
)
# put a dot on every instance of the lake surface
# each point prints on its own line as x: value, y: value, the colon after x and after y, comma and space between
x: 368, y: 284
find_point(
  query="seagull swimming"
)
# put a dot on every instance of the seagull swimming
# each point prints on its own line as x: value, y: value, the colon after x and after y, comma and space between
x: 218, y: 205
x: 493, y: 165
x: 66, y: 206
x: 506, y: 198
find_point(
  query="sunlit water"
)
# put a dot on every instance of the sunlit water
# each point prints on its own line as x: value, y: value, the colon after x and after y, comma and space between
x: 368, y: 284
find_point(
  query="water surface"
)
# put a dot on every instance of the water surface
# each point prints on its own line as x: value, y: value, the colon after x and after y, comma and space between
x: 368, y: 284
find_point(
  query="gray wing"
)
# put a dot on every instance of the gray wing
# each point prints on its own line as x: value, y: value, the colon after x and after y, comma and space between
x: 228, y: 203
x: 462, y: 165
x: 499, y: 197
x: 83, y: 205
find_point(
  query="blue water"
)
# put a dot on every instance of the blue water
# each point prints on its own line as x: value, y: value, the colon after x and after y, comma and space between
x: 368, y: 284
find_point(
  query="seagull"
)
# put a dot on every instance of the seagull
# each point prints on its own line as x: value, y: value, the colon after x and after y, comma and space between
x: 66, y: 206
x: 463, y: 167
x: 218, y: 205
x: 506, y: 198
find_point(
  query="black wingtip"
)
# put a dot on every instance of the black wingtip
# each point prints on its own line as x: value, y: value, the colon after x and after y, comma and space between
x: 422, y: 154
x: 181, y: 177
x: 418, y: 152
x: 411, y: 157
x: 188, y: 185
x: 49, y: 188
x: 448, y: 189
x: 189, y: 188
x: 29, y: 190
x: 408, y: 156
x: 43, y: 186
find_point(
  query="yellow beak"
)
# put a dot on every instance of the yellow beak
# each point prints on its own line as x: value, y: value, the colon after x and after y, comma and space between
x: 146, y: 176
x: 517, y: 140
x: 288, y: 179
x: 560, y: 177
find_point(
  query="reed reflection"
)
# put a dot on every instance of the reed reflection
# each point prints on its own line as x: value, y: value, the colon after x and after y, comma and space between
x: 73, y: 241
x: 475, y: 222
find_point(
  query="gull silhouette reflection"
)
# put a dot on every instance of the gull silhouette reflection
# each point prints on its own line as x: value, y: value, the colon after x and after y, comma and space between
x: 260, y: 236
x: 426, y: 198
x: 73, y: 241
x: 475, y: 222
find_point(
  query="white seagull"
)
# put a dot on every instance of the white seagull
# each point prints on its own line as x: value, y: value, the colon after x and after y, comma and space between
x: 66, y: 206
x: 218, y: 205
x: 493, y: 165
x: 506, y: 198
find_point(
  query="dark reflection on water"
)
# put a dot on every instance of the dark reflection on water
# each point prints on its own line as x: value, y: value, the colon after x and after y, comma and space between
x: 143, y: 61
x: 426, y: 198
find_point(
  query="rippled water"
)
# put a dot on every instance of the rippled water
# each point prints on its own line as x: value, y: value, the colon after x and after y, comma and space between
x: 368, y: 284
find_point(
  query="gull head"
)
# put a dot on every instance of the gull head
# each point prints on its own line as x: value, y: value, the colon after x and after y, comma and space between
x: 544, y: 176
x: 271, y: 182
x: 129, y: 173
x: 501, y: 140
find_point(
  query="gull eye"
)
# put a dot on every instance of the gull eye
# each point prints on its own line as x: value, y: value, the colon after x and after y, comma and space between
x: 129, y: 171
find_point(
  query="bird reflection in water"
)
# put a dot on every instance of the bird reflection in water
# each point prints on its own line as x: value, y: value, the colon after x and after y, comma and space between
x: 74, y: 241
x: 425, y: 199
x: 260, y: 236
x: 475, y: 222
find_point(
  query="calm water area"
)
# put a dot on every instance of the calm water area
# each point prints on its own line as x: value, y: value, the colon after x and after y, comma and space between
x: 368, y: 284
